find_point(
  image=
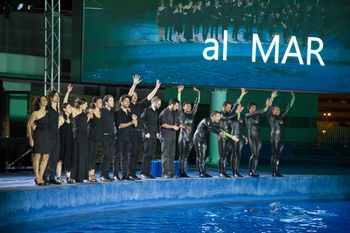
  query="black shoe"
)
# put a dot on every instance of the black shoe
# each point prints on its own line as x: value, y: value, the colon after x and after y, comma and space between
x: 131, y: 177
x: 224, y: 175
x: 253, y: 174
x: 236, y: 174
x: 53, y: 181
x: 145, y: 177
x: 150, y: 176
x: 183, y: 175
x: 205, y: 175
x: 106, y: 179
x: 135, y: 177
x: 276, y: 174
x: 126, y: 178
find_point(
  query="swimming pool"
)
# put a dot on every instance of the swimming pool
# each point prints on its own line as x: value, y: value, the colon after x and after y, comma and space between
x: 285, y: 216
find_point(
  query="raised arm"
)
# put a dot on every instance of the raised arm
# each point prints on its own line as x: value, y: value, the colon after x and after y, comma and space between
x: 180, y: 88
x: 196, y: 102
x: 69, y: 90
x: 136, y: 80
x: 154, y: 91
x: 289, y: 106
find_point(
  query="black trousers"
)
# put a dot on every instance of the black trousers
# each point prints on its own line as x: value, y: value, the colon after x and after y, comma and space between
x: 53, y: 157
x: 200, y: 147
x: 277, y: 146
x: 108, y: 143
x: 225, y: 148
x: 185, y: 148
x: 121, y: 156
x: 94, y: 145
x: 168, y: 147
x: 236, y: 155
x: 150, y: 145
x: 255, y: 146
x: 236, y: 25
x: 136, y: 141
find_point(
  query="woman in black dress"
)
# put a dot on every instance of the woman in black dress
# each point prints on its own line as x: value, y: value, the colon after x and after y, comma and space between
x: 66, y: 143
x: 95, y: 135
x: 80, y: 135
x: 38, y: 138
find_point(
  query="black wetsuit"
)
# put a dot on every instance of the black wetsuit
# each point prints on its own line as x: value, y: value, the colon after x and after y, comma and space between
x: 252, y: 122
x: 225, y: 144
x: 200, y: 139
x: 238, y: 130
x: 186, y: 136
x: 277, y: 144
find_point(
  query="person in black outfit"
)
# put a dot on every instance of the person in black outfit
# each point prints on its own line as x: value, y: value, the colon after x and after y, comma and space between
x: 216, y: 19
x: 238, y: 130
x: 226, y: 10
x: 188, y: 21
x: 38, y: 138
x: 225, y: 123
x: 307, y: 22
x: 108, y: 141
x: 137, y: 108
x: 125, y: 120
x: 297, y: 19
x: 252, y: 120
x: 249, y: 20
x: 186, y: 114
x: 169, y: 123
x: 170, y: 19
x: 150, y: 120
x: 261, y: 17
x: 66, y: 142
x: 178, y: 17
x: 95, y: 135
x: 80, y: 137
x: 200, y: 138
x: 207, y: 20
x: 238, y: 14
x: 161, y: 21
x: 287, y: 14
x: 53, y: 115
x: 197, y: 19
x: 276, y: 120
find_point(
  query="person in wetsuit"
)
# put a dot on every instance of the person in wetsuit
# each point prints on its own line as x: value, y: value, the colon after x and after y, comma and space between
x: 185, y: 142
x: 200, y: 138
x: 252, y: 120
x: 276, y: 119
x: 238, y: 130
x: 225, y: 144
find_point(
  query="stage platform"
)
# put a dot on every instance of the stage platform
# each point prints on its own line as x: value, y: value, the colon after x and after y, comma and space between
x: 22, y: 201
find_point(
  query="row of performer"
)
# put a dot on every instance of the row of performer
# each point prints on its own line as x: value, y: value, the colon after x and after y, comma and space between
x: 70, y: 137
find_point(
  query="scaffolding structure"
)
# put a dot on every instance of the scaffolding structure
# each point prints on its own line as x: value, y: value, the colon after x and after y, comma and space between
x: 52, y: 45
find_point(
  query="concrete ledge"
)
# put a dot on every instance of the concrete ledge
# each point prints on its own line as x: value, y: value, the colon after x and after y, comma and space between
x: 39, y: 202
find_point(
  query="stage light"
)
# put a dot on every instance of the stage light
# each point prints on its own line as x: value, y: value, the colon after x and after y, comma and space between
x: 324, y: 131
x: 329, y: 114
x: 324, y: 114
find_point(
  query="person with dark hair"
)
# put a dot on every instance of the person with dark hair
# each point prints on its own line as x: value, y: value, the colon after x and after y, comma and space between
x: 188, y: 21
x: 216, y: 19
x: 197, y: 18
x: 38, y: 134
x: 53, y: 116
x: 66, y: 143
x: 252, y: 120
x: 169, y: 29
x: 137, y: 108
x: 276, y: 119
x: 238, y: 130
x: 200, y: 138
x: 150, y: 120
x: 80, y: 141
x: 125, y: 120
x: 207, y: 20
x: 108, y: 141
x: 178, y: 18
x: 225, y: 144
x: 226, y: 9
x: 238, y: 14
x: 249, y: 19
x: 161, y: 20
x: 95, y: 135
x: 169, y: 124
x: 185, y: 142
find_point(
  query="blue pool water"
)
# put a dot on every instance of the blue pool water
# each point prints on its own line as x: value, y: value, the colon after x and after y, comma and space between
x: 314, y: 216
